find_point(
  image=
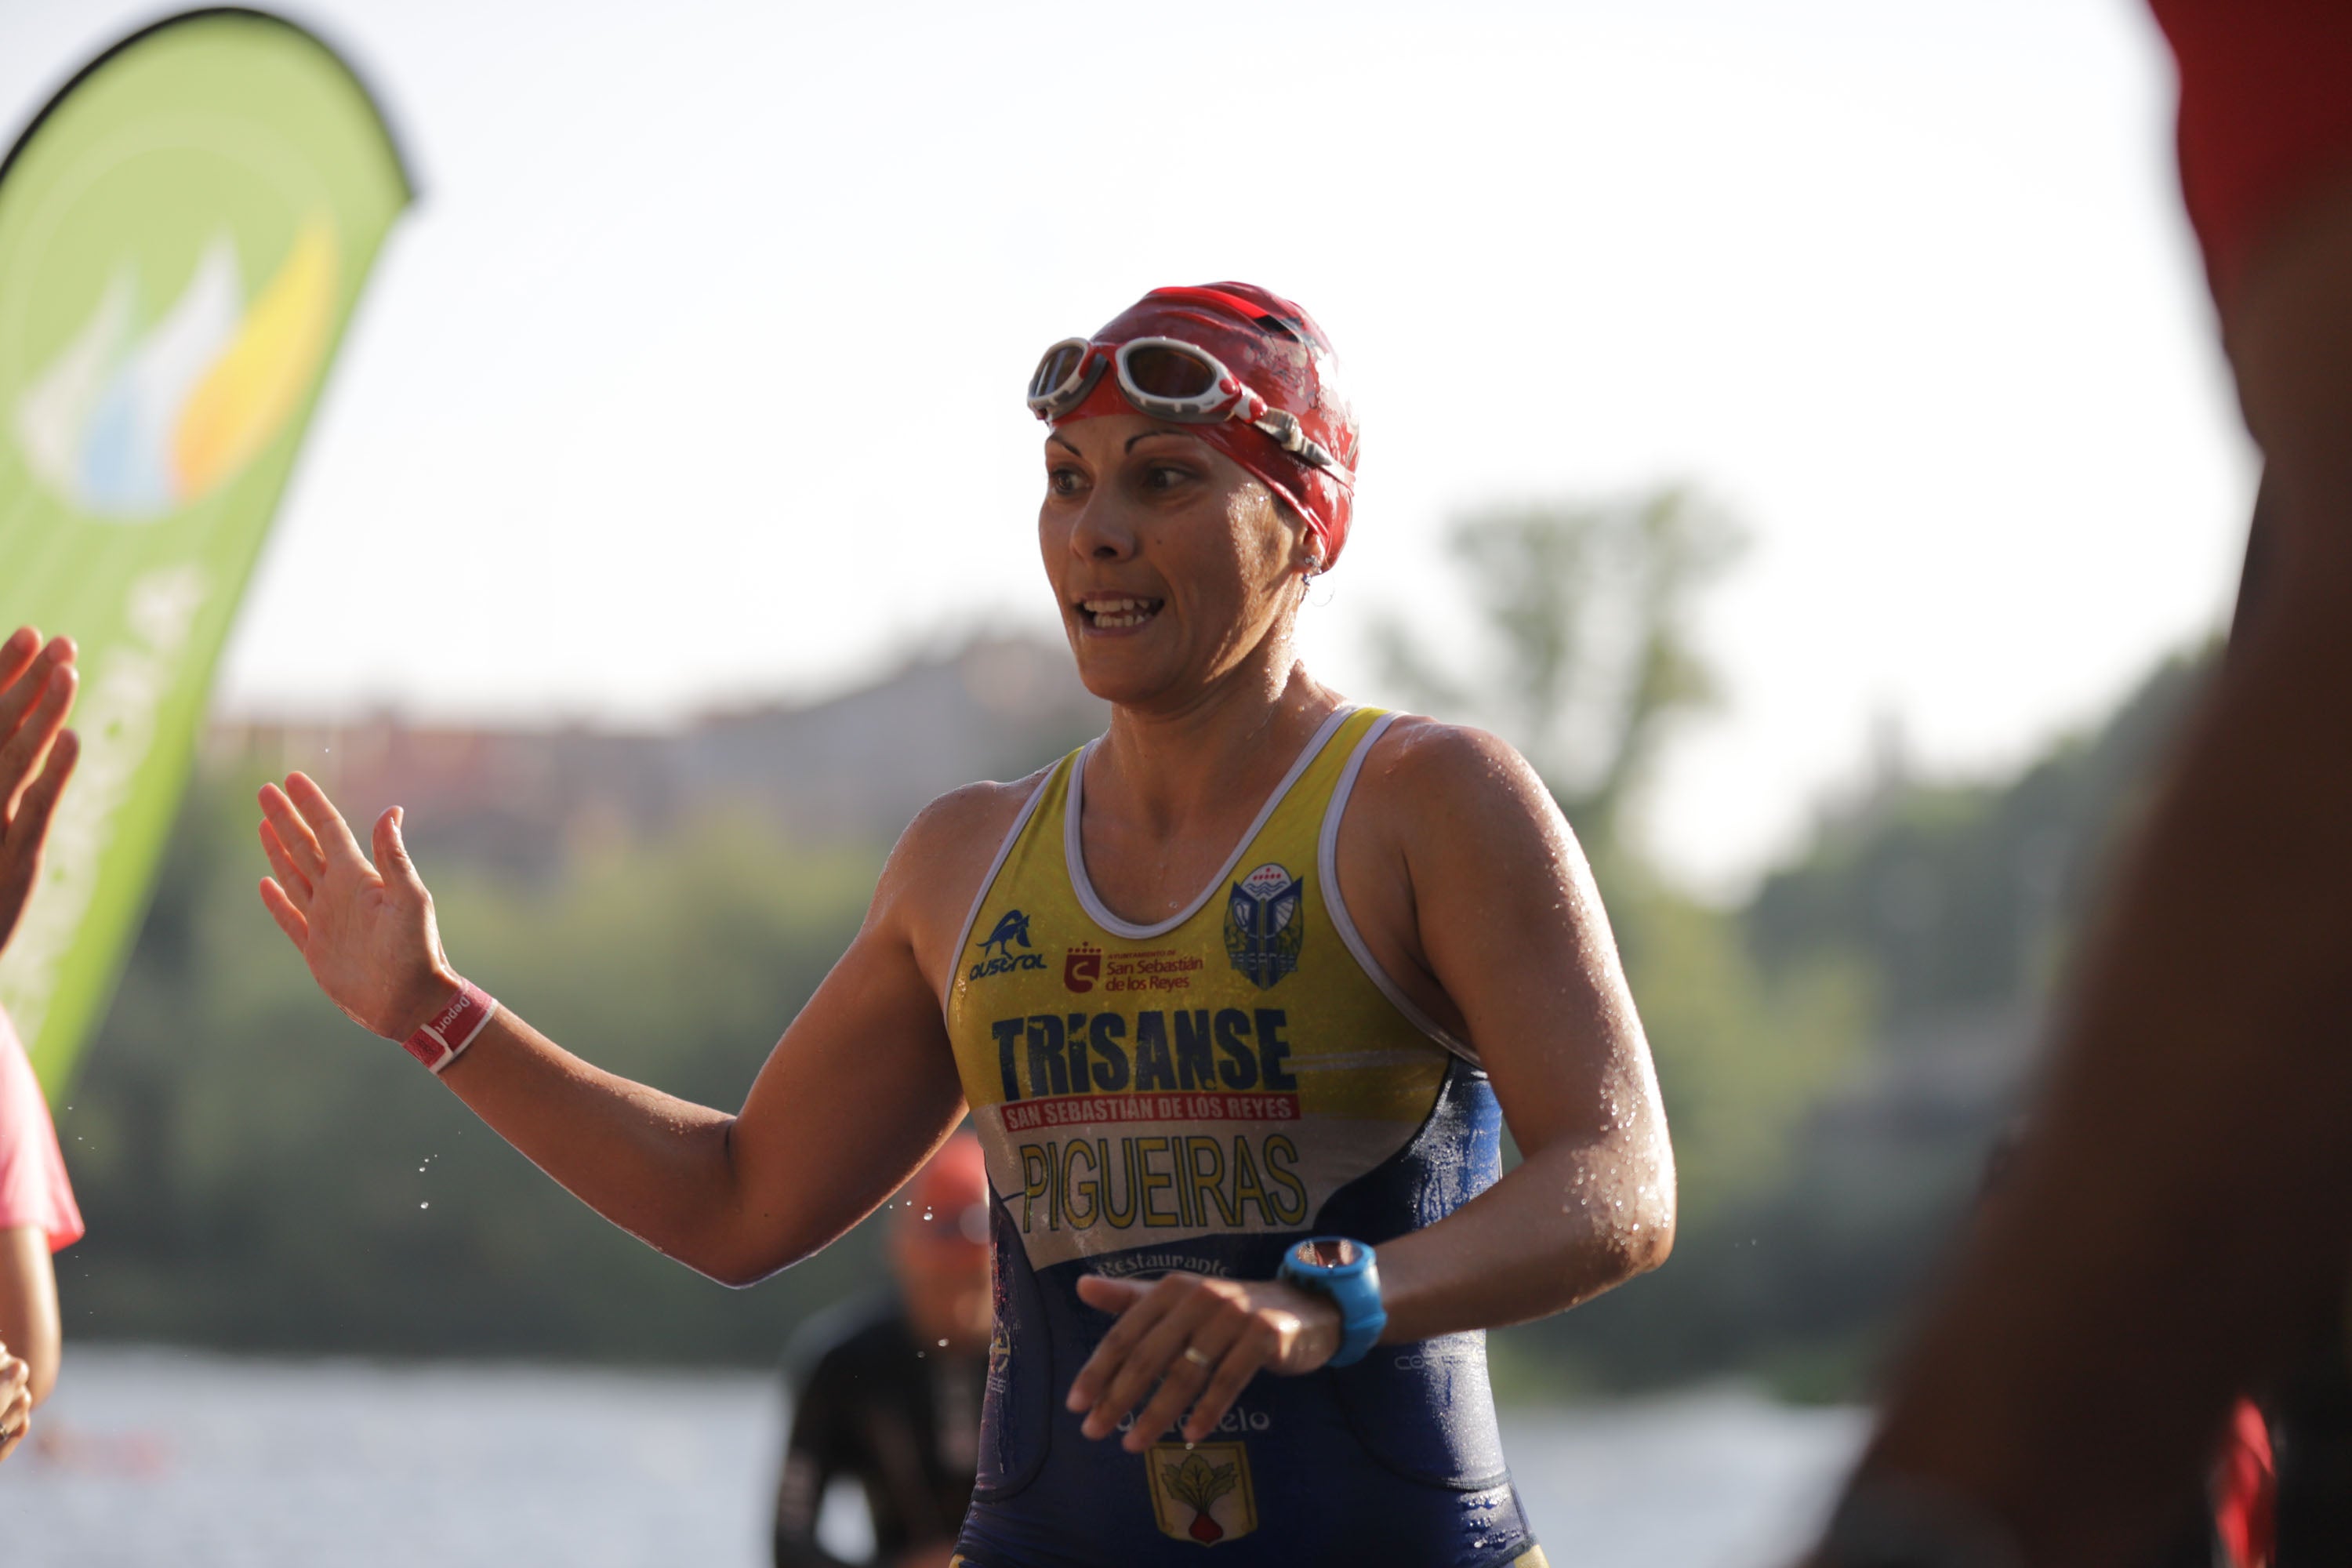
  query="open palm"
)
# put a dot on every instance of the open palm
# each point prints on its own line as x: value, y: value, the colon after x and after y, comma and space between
x: 36, y: 756
x: 365, y: 928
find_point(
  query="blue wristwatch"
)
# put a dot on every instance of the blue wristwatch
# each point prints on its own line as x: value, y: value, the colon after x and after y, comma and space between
x: 1344, y: 1270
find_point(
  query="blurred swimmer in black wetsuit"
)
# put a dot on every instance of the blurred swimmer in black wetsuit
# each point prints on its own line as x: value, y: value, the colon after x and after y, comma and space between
x: 887, y: 1391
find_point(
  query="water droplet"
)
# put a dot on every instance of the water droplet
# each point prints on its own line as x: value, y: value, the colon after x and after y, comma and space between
x: 927, y: 1213
x: 943, y: 1344
x: 424, y: 1205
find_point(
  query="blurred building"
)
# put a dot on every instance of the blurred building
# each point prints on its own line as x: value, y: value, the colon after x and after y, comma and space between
x: 858, y: 765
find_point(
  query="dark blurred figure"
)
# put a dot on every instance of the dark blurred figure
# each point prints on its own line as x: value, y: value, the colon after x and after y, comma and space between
x: 2178, y: 1230
x: 887, y: 1392
x: 2230, y: 1520
x: 2312, y: 1420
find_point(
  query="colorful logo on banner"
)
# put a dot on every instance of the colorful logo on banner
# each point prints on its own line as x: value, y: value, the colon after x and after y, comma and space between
x: 129, y: 424
x: 184, y: 230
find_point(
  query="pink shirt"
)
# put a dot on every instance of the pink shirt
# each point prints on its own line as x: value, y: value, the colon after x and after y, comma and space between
x: 33, y: 1186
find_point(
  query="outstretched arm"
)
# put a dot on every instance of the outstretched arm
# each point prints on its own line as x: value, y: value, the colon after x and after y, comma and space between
x: 857, y: 1094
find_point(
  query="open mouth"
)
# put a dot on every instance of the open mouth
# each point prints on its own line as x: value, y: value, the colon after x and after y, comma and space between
x: 1118, y: 614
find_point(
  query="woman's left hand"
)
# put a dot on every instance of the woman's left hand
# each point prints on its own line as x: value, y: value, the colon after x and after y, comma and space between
x: 1199, y: 1341
x: 15, y: 1400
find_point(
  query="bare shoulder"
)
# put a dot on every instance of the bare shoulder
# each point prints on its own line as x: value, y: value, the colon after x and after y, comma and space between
x: 934, y: 872
x: 984, y: 810
x: 1421, y: 770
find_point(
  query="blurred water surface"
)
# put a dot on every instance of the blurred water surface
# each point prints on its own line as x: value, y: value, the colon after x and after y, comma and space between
x: 166, y: 1457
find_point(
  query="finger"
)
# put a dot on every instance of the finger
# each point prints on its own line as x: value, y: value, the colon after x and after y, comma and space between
x: 1248, y: 1353
x: 391, y: 861
x: 22, y: 688
x: 21, y: 754
x: 1119, y: 1296
x: 294, y: 835
x: 292, y: 880
x: 1191, y: 1356
x: 1180, y: 1387
x: 1150, y: 1358
x: 15, y: 1413
x: 1112, y: 1295
x: 290, y: 920
x: 333, y: 833
x: 17, y: 653
x: 39, y: 801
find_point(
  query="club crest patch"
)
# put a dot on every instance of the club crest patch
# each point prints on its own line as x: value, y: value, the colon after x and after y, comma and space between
x: 1264, y: 924
x: 1201, y: 1491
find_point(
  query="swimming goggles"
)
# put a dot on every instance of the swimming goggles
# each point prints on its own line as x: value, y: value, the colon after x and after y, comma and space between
x: 1169, y: 379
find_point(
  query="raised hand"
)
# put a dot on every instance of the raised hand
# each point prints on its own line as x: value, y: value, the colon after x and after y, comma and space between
x: 36, y: 689
x: 365, y: 930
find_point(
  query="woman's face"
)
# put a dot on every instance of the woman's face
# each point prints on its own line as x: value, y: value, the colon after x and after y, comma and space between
x: 1171, y: 563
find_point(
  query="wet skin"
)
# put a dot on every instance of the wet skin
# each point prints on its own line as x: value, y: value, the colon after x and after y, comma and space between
x: 1179, y: 581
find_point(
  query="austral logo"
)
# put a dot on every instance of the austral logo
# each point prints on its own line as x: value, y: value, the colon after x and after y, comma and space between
x: 1082, y: 968
x: 1264, y: 928
x: 1011, y: 931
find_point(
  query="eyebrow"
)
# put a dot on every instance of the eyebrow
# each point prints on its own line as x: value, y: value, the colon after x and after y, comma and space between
x: 1063, y: 442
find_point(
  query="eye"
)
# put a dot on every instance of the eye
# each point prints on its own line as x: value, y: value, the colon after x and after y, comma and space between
x: 1165, y: 475
x: 1064, y: 479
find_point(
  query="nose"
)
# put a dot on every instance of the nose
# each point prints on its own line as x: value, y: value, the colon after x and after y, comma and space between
x: 1102, y: 531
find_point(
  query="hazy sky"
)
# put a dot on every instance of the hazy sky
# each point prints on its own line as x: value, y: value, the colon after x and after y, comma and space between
x: 696, y: 373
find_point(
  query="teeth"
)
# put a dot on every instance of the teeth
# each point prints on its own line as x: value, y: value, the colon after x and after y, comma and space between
x: 1117, y: 612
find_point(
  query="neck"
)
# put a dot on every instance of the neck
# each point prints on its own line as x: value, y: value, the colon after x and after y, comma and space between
x: 1163, y: 766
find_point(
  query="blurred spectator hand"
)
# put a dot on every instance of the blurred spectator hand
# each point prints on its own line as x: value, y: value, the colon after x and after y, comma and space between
x: 15, y: 1400
x: 37, y: 757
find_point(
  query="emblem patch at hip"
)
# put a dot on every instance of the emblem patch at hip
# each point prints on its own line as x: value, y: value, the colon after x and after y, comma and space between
x: 1200, y: 1492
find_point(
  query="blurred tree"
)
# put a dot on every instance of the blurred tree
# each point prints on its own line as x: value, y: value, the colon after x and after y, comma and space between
x: 1585, y: 613
x: 1959, y: 896
x: 259, y: 1174
x: 1585, y: 652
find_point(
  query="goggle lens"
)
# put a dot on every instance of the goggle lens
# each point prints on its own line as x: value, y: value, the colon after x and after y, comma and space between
x: 1059, y: 380
x: 1162, y: 370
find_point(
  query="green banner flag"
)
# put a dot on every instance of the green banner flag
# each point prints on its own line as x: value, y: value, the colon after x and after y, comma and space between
x: 183, y: 232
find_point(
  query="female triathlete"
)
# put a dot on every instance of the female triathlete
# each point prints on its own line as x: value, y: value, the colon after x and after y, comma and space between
x: 1236, y: 995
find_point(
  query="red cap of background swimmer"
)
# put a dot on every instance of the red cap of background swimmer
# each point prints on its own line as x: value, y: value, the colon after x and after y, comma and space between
x: 1279, y: 354
x: 946, y: 1203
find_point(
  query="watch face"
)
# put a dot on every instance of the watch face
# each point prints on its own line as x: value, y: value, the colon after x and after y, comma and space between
x: 1327, y: 1252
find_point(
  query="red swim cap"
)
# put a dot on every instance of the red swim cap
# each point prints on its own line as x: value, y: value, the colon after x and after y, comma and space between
x: 1279, y: 352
